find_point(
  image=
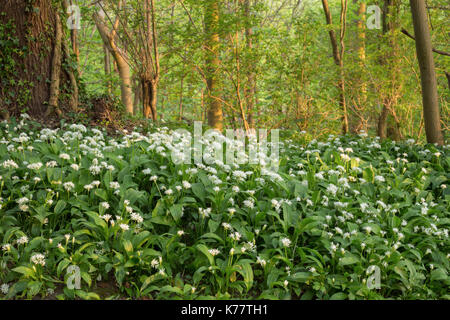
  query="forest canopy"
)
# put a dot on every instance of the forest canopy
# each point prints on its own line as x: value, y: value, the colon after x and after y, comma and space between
x: 278, y: 64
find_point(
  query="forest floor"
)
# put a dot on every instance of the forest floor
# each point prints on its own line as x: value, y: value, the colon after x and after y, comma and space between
x: 85, y: 214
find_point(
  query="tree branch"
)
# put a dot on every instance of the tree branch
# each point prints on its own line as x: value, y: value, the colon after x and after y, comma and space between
x: 406, y: 33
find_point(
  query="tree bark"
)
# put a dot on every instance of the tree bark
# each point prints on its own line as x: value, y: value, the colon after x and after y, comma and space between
x: 338, y: 57
x: 250, y: 88
x: 120, y: 58
x: 107, y: 61
x: 73, y: 34
x: 149, y: 98
x: 427, y: 73
x: 137, y: 95
x: 56, y: 70
x: 151, y: 71
x: 215, y: 113
x: 181, y: 98
x: 388, y: 123
x: 74, y: 98
x: 37, y: 65
x: 382, y: 122
x: 356, y: 122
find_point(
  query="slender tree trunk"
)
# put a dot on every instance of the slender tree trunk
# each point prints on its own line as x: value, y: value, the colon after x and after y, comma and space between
x: 382, y: 122
x: 73, y: 34
x: 181, y: 98
x: 250, y: 88
x: 125, y: 83
x: 427, y: 73
x: 151, y: 71
x: 107, y: 61
x: 388, y: 123
x: 149, y: 98
x: 137, y: 95
x: 74, y: 97
x: 56, y: 70
x: 357, y: 123
x: 215, y: 113
x: 338, y: 57
x: 120, y: 58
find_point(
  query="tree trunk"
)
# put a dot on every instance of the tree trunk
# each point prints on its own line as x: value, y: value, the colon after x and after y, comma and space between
x: 149, y: 98
x: 56, y: 70
x: 382, y: 122
x: 73, y: 34
x: 357, y: 122
x: 338, y: 56
x: 74, y: 99
x: 39, y: 61
x: 181, y: 98
x: 107, y: 61
x: 120, y: 58
x: 215, y: 113
x: 250, y: 88
x: 388, y: 124
x: 427, y: 73
x: 137, y: 95
x: 125, y: 83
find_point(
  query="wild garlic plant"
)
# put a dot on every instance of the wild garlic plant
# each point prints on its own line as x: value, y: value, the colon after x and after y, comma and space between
x: 118, y: 209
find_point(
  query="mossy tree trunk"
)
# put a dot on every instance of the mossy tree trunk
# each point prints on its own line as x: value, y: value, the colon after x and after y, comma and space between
x: 34, y: 84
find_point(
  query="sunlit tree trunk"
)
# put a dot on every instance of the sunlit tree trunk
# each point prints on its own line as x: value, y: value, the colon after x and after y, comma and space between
x: 338, y: 56
x: 388, y: 123
x: 120, y: 57
x: 357, y: 122
x: 250, y: 88
x: 212, y: 43
x: 427, y: 73
x: 149, y: 99
x: 107, y: 62
x: 150, y: 74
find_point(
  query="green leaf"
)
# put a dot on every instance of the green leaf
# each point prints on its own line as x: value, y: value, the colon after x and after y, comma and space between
x: 211, y: 235
x: 438, y: 275
x: 60, y: 206
x: 176, y: 211
x: 339, y: 296
x: 34, y: 287
x: 202, y: 248
x: 148, y: 280
x: 87, y: 278
x: 199, y: 190
x: 245, y: 269
x: 28, y: 272
x: 301, y: 277
x: 348, y: 259
x: 61, y: 266
x: 128, y: 246
x: 101, y: 194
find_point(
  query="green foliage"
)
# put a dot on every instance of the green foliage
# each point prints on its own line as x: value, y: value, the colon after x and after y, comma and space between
x: 125, y: 215
x: 12, y: 88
